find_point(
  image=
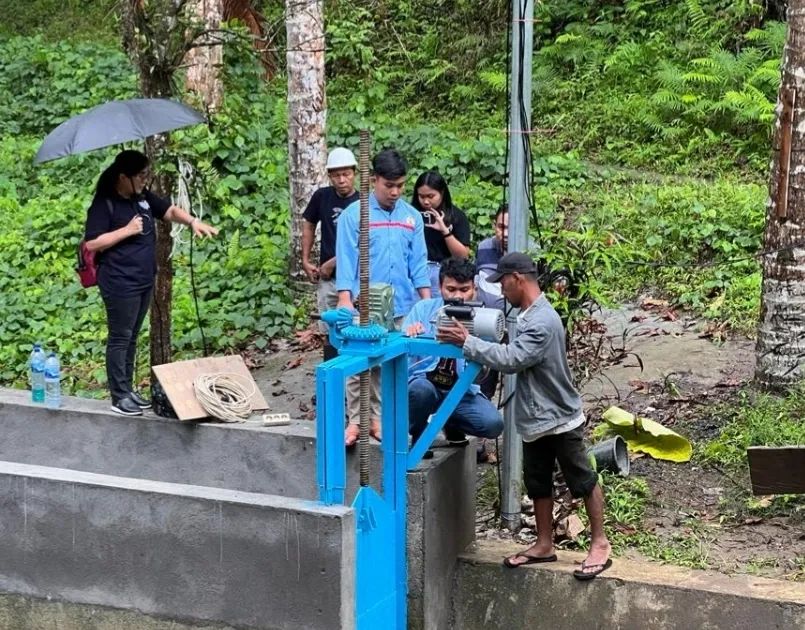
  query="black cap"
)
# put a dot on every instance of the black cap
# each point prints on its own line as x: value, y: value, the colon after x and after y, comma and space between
x: 514, y: 262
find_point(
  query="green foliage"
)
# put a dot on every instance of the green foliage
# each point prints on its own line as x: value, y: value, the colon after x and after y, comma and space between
x: 43, y: 84
x: 698, y: 229
x: 680, y: 86
x: 59, y: 19
x: 758, y: 420
x: 241, y: 175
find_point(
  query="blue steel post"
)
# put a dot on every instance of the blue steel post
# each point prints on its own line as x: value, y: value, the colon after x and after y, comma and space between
x: 331, y: 460
x: 400, y: 469
x: 384, y: 524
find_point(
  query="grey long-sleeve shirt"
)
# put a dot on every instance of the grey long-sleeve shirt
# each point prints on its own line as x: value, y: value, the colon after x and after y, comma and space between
x: 545, y: 397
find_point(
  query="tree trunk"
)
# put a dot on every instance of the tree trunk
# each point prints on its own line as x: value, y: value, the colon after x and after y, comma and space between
x: 205, y: 60
x: 156, y: 64
x: 781, y: 333
x: 307, y: 114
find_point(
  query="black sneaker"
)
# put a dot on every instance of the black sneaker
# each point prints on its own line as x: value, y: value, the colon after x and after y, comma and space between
x: 141, y: 402
x: 126, y: 407
x: 455, y: 438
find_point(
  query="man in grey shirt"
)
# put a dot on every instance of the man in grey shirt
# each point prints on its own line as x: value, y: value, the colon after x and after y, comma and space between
x: 547, y: 410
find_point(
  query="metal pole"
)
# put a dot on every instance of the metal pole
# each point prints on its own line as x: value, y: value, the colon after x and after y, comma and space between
x: 522, y: 41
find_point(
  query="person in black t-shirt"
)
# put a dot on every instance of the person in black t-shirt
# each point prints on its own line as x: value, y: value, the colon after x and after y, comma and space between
x: 325, y: 207
x: 120, y: 229
x: 447, y: 230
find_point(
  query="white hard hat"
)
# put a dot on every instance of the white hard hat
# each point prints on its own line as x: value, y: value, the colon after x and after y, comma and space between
x: 341, y: 158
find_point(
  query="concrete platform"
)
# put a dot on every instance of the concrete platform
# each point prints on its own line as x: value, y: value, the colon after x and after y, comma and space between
x: 275, y: 464
x: 86, y: 435
x: 629, y: 596
x: 175, y: 551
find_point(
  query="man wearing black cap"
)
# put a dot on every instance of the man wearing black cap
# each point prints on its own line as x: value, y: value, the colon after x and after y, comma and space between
x: 547, y: 410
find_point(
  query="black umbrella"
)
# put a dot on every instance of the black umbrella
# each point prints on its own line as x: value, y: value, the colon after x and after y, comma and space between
x: 115, y: 123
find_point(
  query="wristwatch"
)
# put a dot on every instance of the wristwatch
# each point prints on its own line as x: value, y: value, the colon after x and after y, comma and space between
x: 449, y: 230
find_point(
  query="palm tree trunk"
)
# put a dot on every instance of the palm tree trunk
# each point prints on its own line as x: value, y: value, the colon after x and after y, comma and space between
x: 781, y: 333
x: 156, y: 66
x: 307, y: 115
x: 204, y: 61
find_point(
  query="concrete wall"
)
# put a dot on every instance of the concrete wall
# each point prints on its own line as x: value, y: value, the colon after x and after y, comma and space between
x: 629, y: 596
x: 30, y: 613
x: 441, y: 525
x: 86, y: 435
x: 173, y: 551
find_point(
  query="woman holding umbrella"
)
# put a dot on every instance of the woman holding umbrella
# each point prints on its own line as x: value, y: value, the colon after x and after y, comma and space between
x: 120, y: 229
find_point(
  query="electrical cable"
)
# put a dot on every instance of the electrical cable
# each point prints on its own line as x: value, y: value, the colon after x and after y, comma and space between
x: 195, y: 298
x: 227, y: 397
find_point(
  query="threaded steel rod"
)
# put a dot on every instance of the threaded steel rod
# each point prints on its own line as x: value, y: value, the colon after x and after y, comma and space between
x: 363, y: 307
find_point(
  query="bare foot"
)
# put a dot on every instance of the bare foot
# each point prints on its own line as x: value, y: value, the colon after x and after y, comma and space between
x: 597, y: 558
x: 374, y: 429
x: 352, y: 434
x: 539, y: 551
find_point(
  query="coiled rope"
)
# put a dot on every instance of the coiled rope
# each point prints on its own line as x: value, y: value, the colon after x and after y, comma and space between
x: 227, y: 397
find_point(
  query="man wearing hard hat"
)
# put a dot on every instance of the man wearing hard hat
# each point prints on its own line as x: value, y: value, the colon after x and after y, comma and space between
x: 325, y: 207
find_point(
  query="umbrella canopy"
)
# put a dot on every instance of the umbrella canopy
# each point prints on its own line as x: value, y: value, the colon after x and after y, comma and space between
x: 114, y: 123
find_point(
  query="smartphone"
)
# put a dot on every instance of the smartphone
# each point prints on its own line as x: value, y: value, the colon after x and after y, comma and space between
x: 427, y: 218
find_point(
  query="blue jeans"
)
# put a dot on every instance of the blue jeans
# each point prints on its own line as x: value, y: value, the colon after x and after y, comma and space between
x: 474, y: 415
x: 433, y: 274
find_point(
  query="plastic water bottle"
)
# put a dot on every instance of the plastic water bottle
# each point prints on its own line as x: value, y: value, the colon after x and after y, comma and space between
x: 38, y: 374
x: 52, y: 382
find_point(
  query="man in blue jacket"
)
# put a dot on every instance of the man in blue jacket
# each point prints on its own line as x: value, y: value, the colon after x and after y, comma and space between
x: 431, y: 378
x: 397, y: 256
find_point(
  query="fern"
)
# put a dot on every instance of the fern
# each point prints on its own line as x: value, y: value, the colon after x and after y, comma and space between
x: 750, y: 105
x: 770, y: 38
x: 233, y: 247
x: 699, y: 20
x: 700, y: 77
x: 496, y: 81
x: 670, y: 76
x: 625, y: 57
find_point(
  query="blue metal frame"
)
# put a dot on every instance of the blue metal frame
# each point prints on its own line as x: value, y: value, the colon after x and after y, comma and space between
x: 381, y: 577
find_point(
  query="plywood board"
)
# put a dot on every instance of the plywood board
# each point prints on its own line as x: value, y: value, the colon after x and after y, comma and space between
x: 777, y: 470
x: 177, y: 381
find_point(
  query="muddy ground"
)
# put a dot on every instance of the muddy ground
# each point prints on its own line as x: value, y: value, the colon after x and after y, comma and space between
x: 664, y: 366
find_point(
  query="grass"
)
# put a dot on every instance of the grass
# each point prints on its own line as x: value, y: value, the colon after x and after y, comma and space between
x: 626, y: 501
x: 755, y: 419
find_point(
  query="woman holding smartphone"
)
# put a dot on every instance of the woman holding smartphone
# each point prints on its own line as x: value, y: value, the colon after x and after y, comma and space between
x: 447, y: 230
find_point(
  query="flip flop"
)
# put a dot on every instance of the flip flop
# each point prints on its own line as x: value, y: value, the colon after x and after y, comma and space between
x: 530, y: 560
x: 581, y: 574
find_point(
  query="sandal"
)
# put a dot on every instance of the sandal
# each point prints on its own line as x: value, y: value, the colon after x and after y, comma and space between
x: 581, y: 574
x: 507, y: 562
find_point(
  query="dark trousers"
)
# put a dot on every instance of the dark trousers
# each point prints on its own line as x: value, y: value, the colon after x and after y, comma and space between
x: 124, y: 318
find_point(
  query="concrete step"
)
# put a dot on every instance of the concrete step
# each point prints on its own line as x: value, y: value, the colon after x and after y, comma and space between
x: 628, y: 596
x: 86, y: 437
x: 177, y: 552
